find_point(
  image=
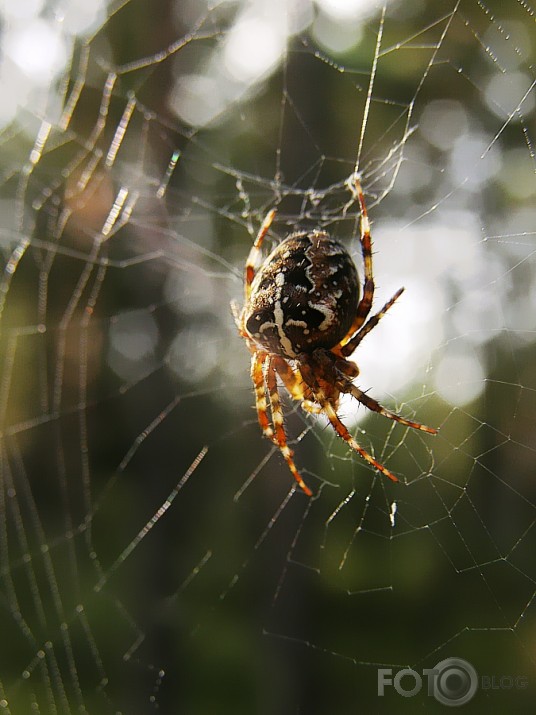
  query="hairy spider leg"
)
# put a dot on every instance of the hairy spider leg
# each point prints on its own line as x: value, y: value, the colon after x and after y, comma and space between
x: 349, y: 347
x: 257, y: 376
x: 343, y: 432
x: 329, y: 407
x: 278, y: 423
x: 337, y: 377
x: 291, y: 378
x: 295, y: 385
x: 365, y: 304
x: 254, y: 258
x: 369, y: 402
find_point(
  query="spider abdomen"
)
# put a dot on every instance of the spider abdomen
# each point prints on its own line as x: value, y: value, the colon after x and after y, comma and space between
x: 304, y: 296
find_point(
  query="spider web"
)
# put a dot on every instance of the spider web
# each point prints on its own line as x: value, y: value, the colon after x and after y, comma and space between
x: 155, y: 553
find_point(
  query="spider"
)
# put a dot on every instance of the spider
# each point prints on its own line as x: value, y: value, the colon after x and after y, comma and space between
x: 302, y: 318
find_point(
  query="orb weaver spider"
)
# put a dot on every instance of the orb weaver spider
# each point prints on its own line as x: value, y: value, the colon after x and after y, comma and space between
x: 302, y: 318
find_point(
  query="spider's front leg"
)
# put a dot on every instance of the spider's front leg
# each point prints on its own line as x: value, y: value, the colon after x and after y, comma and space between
x: 264, y: 380
x: 324, y: 378
x: 258, y: 361
x: 295, y: 385
x: 280, y: 438
x: 375, y: 406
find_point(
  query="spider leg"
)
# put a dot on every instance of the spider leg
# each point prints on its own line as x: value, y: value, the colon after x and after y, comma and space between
x: 257, y: 376
x: 280, y: 437
x: 348, y: 348
x: 255, y: 257
x: 253, y: 261
x: 292, y: 380
x: 365, y: 304
x: 328, y: 403
x: 372, y: 404
x: 343, y: 432
x: 297, y: 388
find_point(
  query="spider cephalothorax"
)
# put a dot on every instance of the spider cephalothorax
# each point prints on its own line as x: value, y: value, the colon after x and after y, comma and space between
x: 301, y: 319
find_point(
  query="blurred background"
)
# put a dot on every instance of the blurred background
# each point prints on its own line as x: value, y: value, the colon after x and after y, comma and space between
x: 155, y: 556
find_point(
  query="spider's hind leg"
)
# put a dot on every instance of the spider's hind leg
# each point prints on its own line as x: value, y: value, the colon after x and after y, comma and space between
x: 348, y: 347
x: 365, y: 304
x: 254, y: 258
